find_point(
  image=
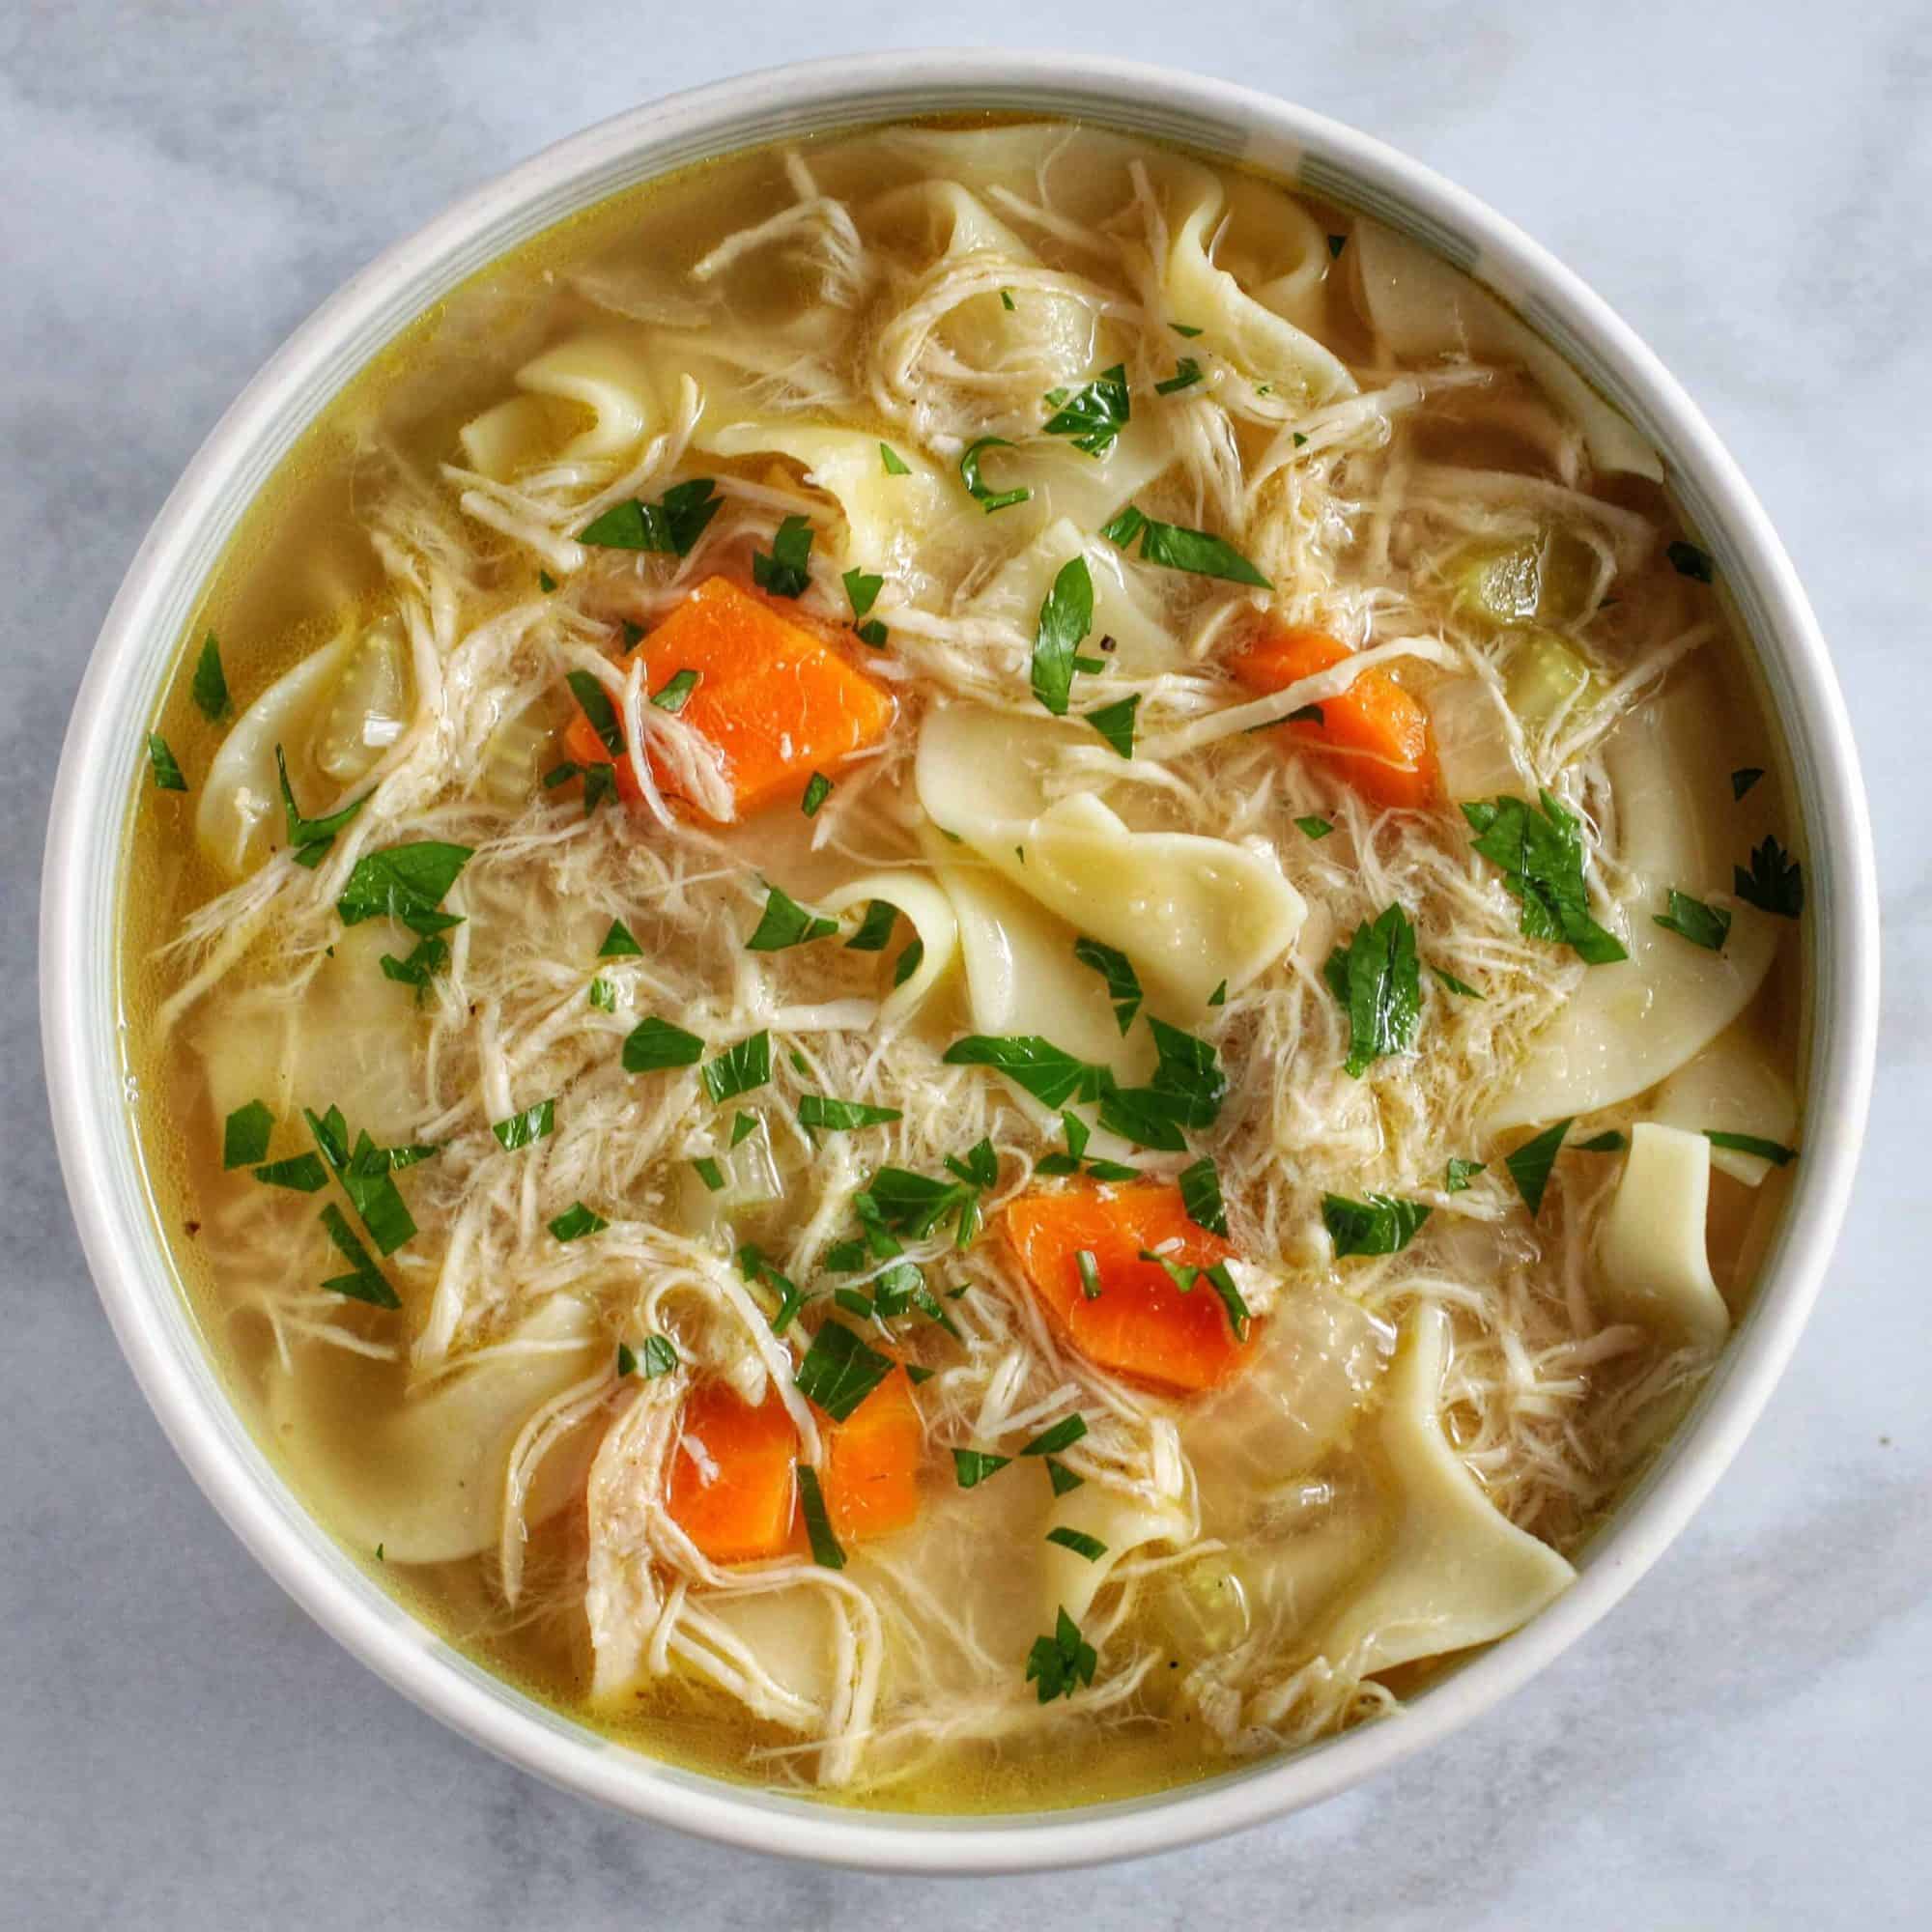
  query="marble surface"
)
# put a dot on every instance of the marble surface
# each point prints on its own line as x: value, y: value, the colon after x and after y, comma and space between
x: 1748, y: 1742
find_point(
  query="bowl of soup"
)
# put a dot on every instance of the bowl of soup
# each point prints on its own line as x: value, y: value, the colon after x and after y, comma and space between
x: 961, y: 962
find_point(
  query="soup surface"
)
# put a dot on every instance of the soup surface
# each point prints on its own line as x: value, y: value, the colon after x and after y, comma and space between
x: 963, y: 967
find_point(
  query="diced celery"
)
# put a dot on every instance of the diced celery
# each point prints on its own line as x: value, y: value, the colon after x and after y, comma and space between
x: 1545, y: 578
x: 1546, y: 676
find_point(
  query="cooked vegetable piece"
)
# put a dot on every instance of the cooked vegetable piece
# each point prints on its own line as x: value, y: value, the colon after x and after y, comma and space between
x: 774, y: 702
x: 1140, y: 1324
x: 873, y: 1461
x: 731, y: 1490
x: 1378, y: 731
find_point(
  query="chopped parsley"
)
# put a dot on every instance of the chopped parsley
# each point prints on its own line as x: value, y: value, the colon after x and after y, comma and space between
x: 786, y: 923
x: 1462, y: 988
x: 1705, y: 926
x: 1201, y: 1196
x: 654, y: 1044
x: 211, y: 684
x: 603, y: 996
x: 1221, y: 1279
x: 1220, y: 995
x: 546, y: 583
x: 1774, y: 1151
x: 710, y: 1173
x: 1687, y: 561
x: 1375, y: 978
x: 895, y: 464
x: 627, y: 1362
x: 1314, y: 827
x: 365, y: 1281
x: 1541, y: 855
x: 305, y: 1173
x: 1123, y: 987
x: 838, y: 1370
x: 1381, y: 1225
x: 576, y: 1221
x: 1187, y: 1089
x: 1458, y: 1175
x: 425, y: 959
x: 825, y: 1549
x: 1093, y: 414
x: 588, y: 688
x: 1744, y: 777
x: 1609, y: 1141
x: 785, y: 571
x: 743, y: 1126
x: 1079, y: 1542
x: 1530, y: 1165
x: 404, y: 883
x: 1336, y: 243
x: 1060, y: 1664
x: 163, y: 764
x: 1775, y: 883
x: 738, y: 1069
x: 1115, y: 723
x: 245, y: 1137
x: 972, y: 1466
x: 310, y: 837
x: 1087, y: 1265
x: 660, y: 1356
x: 863, y: 587
x: 618, y: 943
x: 1186, y: 372
x: 875, y: 929
x: 820, y: 1110
x: 1062, y: 1477
x: 908, y: 962
x: 988, y: 498
x: 672, y: 695
x: 1052, y: 1075
x: 1063, y: 1434
x: 1066, y: 617
x: 672, y: 525
x: 533, y: 1123
x: 1006, y: 300
x: 1184, y: 328
x: 364, y: 1171
x: 1177, y: 548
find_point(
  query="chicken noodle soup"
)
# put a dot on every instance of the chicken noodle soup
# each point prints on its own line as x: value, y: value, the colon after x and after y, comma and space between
x: 966, y: 967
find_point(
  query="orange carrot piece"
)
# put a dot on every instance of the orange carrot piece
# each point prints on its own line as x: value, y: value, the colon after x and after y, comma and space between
x: 871, y: 1462
x: 731, y: 1486
x: 1381, y: 729
x: 775, y: 701
x: 1141, y: 1323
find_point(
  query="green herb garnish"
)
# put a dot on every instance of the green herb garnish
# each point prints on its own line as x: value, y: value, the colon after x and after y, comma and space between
x: 1314, y: 827
x: 576, y: 1221
x: 1063, y: 1434
x: 310, y: 837
x: 404, y: 883
x: 1775, y: 883
x: 909, y: 961
x: 672, y: 525
x: 1177, y: 548
x: 1079, y: 1542
x: 603, y: 996
x: 817, y: 790
x: 1115, y: 723
x: 1774, y: 1151
x: 875, y: 929
x: 1705, y: 926
x: 825, y: 1549
x: 305, y: 1173
x: 425, y: 959
x: 1609, y: 1141
x: 1744, y: 777
x: 533, y: 1125
x: 245, y: 1136
x: 1186, y: 372
x: 673, y: 694
x: 972, y: 1466
x: 1123, y: 987
x: 820, y: 1110
x: 1687, y: 561
x: 1531, y: 1163
x: 1375, y: 978
x: 1458, y: 1175
x: 618, y: 943
x: 1066, y: 617
x: 1062, y: 1477
x: 785, y: 571
x: 1060, y: 1664
x: 211, y: 684
x: 1093, y: 414
x: 988, y: 498
x: 654, y: 1044
x: 1542, y: 860
x: 1462, y: 988
x: 1201, y: 1196
x: 786, y: 923
x: 365, y: 1281
x: 1052, y: 1075
x: 838, y: 1370
x: 738, y: 1069
x: 167, y: 772
x: 1381, y: 1225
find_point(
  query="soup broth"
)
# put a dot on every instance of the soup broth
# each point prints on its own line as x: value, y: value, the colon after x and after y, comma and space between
x: 963, y: 967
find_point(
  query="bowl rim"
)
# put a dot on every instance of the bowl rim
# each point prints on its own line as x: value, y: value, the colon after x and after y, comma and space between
x: 81, y: 880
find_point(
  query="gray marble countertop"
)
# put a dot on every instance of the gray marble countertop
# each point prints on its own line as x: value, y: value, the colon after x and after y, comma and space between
x: 1747, y: 1742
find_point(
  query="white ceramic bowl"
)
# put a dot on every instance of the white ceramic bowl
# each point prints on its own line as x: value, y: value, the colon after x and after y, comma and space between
x: 85, y: 860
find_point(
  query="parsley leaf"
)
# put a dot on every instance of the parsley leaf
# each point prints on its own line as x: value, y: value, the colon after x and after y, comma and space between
x: 672, y: 525
x: 785, y: 571
x: 404, y: 883
x: 1462, y: 988
x: 1123, y: 987
x: 786, y: 923
x: 1375, y: 978
x: 365, y: 1281
x: 1093, y: 413
x: 305, y: 1173
x: 1774, y: 1151
x: 875, y: 929
x: 1775, y: 883
x: 672, y: 695
x: 1177, y: 548
x: 595, y: 703
x: 1052, y: 1075
x: 576, y: 1221
x: 1063, y: 1479
x: 1530, y: 1164
x: 1060, y: 1664
x: 1186, y: 372
x: 1458, y: 1175
x: 988, y: 498
x: 603, y: 996
x: 1079, y: 1542
x: 1687, y: 561
x: 533, y: 1125
x: 738, y: 1069
x: 618, y: 943
x: 1115, y: 723
x: 1381, y: 1225
x: 245, y: 1136
x: 895, y: 464
x: 310, y: 837
x: 838, y: 1370
x: 426, y: 958
x: 210, y: 685
x: 1705, y: 926
x: 654, y: 1044
x: 972, y: 1466
x: 167, y: 771
x: 825, y: 1549
x: 1063, y: 1434
x: 1065, y: 618
x: 909, y: 961
x: 1542, y: 860
x: 1314, y: 827
x: 1609, y: 1141
x: 1744, y: 777
x: 863, y: 587
x: 820, y: 1110
x: 1201, y: 1196
x: 660, y: 1356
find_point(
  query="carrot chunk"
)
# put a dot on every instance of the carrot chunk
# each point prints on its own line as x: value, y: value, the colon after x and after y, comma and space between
x: 871, y: 1462
x: 1141, y: 1323
x: 731, y: 1486
x: 732, y: 1490
x: 775, y: 701
x: 1380, y: 729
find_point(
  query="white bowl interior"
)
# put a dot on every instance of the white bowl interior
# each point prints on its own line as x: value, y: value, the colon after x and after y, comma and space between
x: 87, y: 845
